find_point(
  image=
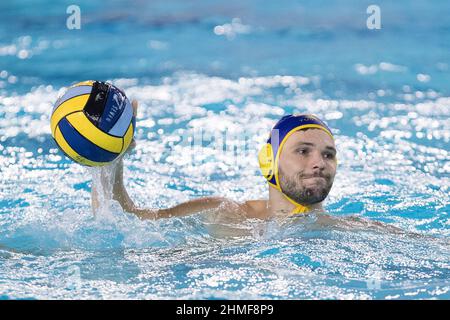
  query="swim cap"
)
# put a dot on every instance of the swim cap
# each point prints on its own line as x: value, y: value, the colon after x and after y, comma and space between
x: 270, y: 153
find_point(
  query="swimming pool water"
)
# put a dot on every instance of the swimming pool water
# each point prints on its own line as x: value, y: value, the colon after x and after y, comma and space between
x: 222, y: 73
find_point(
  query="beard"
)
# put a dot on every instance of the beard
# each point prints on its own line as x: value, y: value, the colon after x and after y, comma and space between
x: 294, y: 188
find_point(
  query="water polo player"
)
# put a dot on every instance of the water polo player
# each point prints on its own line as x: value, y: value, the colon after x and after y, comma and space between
x: 298, y: 161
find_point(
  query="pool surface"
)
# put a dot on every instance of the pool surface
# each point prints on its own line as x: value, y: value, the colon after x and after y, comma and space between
x: 211, y: 79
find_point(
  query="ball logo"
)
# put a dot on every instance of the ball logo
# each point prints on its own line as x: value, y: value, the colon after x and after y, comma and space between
x: 100, y: 96
x: 115, y: 108
x: 116, y: 99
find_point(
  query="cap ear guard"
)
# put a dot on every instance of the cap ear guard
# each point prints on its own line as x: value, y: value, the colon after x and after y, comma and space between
x: 266, y: 161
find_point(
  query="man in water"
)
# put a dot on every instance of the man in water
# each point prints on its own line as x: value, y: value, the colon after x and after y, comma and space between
x: 299, y: 162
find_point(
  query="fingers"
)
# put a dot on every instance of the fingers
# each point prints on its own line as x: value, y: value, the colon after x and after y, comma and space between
x: 134, y: 103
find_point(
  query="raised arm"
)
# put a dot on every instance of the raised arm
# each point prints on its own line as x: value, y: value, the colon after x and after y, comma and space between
x: 120, y: 194
x: 113, y: 187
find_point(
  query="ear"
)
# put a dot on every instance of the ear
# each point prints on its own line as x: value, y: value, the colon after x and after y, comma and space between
x: 266, y: 161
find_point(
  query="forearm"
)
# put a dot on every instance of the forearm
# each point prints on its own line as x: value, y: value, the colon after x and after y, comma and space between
x: 183, y: 209
x: 120, y: 194
x: 193, y: 206
x: 107, y: 184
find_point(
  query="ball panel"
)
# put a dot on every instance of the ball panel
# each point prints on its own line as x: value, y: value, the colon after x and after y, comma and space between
x: 72, y: 154
x: 89, y: 131
x: 84, y: 83
x: 95, y: 106
x: 128, y: 137
x: 71, y: 93
x: 67, y: 107
x: 121, y: 126
x: 82, y: 146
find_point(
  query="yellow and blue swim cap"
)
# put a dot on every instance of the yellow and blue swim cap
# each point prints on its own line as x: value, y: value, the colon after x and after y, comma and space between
x: 269, y: 154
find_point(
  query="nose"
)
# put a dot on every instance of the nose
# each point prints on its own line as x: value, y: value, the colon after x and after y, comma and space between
x: 317, y: 162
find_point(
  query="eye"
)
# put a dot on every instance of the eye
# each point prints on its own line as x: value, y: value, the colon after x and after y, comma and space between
x: 302, y: 151
x: 329, y: 155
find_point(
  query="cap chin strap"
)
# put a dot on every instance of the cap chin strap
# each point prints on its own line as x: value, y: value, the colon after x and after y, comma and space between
x: 299, y: 208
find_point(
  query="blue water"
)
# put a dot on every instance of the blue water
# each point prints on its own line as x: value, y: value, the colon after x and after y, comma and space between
x: 228, y: 68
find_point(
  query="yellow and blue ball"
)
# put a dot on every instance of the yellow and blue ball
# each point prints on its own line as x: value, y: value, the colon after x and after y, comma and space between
x: 93, y: 123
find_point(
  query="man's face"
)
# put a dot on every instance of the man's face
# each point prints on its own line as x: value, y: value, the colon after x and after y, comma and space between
x: 307, y: 166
